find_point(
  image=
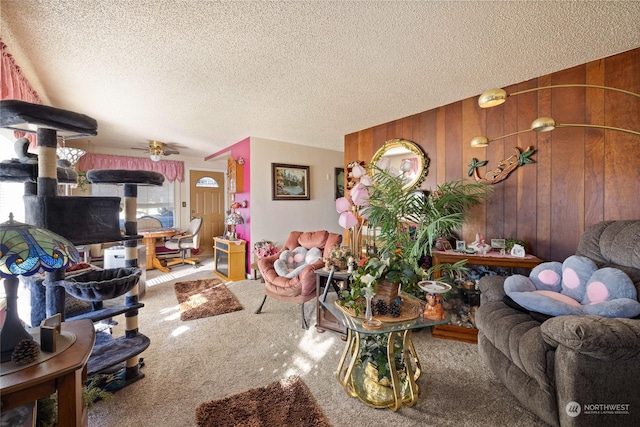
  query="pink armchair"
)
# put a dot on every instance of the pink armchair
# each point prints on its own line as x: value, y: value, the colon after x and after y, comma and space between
x: 301, y: 288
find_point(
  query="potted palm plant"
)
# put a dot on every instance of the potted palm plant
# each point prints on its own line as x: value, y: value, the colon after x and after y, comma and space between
x: 409, y: 221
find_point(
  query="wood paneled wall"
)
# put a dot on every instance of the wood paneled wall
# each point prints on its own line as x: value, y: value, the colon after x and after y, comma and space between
x: 580, y: 176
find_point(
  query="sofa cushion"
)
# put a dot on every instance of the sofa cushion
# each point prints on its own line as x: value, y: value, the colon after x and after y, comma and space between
x: 583, y: 289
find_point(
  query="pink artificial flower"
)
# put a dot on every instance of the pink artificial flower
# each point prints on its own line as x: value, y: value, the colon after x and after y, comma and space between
x: 384, y: 163
x: 360, y: 195
x: 347, y: 220
x: 343, y: 204
x: 366, y: 180
x: 358, y: 171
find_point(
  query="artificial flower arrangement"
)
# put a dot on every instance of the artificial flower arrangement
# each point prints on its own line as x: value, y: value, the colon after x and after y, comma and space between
x: 264, y: 248
x: 338, y: 257
x: 340, y: 253
x: 375, y: 270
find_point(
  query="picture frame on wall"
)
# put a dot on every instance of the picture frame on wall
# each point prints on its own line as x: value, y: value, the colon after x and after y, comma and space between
x: 289, y: 182
x: 339, y: 180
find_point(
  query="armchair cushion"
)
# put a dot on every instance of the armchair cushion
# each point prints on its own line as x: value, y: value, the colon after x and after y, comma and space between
x: 301, y: 287
x: 291, y: 263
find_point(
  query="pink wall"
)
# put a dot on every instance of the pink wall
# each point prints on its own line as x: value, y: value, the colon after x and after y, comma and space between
x: 237, y: 150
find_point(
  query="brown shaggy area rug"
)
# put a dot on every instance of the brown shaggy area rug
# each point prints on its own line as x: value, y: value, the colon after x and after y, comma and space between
x: 204, y: 298
x: 284, y: 403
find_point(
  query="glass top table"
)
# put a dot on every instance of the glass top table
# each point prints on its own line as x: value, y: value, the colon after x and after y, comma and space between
x: 356, y: 323
x: 363, y: 380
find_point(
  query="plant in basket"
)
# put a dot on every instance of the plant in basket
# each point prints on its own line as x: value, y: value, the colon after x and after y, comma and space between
x: 380, y: 277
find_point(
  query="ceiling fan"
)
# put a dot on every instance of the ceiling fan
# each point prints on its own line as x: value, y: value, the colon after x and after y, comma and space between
x: 156, y: 149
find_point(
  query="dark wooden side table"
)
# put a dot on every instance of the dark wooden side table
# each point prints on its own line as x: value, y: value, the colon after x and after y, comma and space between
x: 65, y: 372
x: 494, y: 259
x: 329, y: 281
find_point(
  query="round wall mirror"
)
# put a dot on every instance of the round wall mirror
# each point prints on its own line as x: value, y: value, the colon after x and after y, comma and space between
x: 402, y: 155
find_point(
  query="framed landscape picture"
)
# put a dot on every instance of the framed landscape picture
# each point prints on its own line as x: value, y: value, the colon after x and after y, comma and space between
x: 289, y: 182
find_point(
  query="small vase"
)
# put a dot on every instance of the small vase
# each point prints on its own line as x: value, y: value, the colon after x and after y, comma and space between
x: 369, y: 322
x: 368, y: 314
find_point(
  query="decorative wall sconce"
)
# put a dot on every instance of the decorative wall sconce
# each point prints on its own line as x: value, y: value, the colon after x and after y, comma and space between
x: 492, y: 97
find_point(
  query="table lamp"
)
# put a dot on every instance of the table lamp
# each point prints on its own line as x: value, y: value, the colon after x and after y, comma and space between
x: 232, y: 220
x: 24, y: 251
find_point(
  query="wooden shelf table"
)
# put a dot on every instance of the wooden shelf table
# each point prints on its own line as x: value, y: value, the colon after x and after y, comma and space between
x: 492, y: 259
x: 64, y: 372
x: 229, y: 259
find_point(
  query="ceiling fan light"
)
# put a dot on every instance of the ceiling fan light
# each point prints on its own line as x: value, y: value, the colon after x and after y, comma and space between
x: 492, y: 97
x: 543, y: 124
x: 155, y: 157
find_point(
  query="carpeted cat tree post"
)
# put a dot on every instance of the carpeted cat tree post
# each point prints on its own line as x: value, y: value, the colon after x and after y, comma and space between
x: 84, y: 220
x: 131, y: 180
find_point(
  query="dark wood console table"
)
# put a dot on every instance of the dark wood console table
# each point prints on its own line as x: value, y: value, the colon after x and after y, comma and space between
x: 490, y: 259
x: 494, y: 259
x: 65, y: 372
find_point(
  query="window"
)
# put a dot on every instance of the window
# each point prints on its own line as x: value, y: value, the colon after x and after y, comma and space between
x: 207, y: 181
x: 152, y: 201
x: 10, y: 192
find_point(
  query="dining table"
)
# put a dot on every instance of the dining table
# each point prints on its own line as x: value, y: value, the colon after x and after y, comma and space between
x: 149, y: 238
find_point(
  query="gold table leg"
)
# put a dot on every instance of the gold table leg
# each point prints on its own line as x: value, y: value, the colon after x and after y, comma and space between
x: 348, y: 377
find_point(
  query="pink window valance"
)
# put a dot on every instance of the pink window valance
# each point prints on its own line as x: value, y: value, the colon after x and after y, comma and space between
x: 171, y: 169
x: 14, y: 85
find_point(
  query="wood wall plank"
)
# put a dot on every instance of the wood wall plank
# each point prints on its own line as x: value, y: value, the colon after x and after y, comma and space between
x: 580, y: 176
x: 594, y: 145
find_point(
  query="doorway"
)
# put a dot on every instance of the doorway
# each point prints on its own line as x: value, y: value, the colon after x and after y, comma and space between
x: 207, y: 200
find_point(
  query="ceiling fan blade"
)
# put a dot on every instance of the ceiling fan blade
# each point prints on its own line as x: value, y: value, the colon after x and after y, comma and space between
x: 168, y: 152
x: 140, y: 148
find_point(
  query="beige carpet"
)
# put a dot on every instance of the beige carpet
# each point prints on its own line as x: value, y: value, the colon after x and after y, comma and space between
x: 284, y: 403
x: 189, y: 363
x: 204, y: 298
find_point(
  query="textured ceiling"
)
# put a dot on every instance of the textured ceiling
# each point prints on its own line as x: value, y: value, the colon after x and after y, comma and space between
x: 207, y: 74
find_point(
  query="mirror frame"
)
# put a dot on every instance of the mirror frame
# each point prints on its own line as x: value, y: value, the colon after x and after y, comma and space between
x: 423, y: 160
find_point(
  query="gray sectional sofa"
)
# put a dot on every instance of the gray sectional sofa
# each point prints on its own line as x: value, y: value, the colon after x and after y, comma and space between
x: 569, y: 370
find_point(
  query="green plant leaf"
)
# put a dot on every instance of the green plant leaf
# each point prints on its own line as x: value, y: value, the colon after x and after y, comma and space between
x: 475, y: 164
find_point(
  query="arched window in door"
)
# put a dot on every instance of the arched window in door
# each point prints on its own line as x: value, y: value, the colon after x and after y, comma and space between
x: 207, y: 181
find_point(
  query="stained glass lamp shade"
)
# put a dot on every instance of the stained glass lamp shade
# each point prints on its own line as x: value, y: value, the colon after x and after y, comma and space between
x: 24, y: 251
x: 232, y: 220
